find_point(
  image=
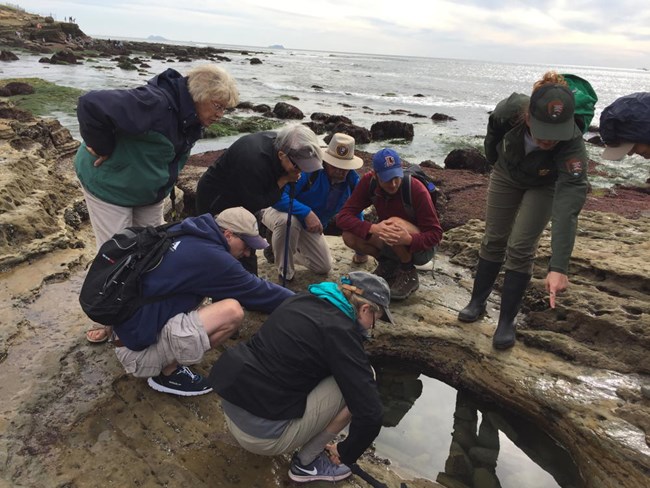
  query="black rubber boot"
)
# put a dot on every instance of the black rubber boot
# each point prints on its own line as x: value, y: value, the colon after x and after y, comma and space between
x: 486, y: 275
x: 514, y: 286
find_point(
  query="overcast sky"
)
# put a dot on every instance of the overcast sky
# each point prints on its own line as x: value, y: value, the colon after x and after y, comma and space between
x: 613, y: 33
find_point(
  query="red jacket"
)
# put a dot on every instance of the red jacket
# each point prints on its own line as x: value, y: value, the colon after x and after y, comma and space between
x: 426, y: 217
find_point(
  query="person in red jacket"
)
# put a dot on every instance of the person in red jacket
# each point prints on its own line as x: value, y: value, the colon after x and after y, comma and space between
x: 404, y: 236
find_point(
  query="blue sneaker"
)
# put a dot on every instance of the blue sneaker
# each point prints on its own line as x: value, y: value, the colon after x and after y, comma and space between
x: 320, y: 469
x: 181, y: 382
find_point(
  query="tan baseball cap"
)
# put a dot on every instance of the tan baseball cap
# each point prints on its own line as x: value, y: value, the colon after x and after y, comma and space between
x: 243, y: 224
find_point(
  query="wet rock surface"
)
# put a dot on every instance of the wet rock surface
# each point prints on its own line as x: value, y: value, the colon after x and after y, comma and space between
x: 70, y: 416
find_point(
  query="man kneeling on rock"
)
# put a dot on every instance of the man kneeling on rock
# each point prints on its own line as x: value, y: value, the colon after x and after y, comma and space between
x: 165, y: 336
x: 305, y: 375
x: 404, y: 236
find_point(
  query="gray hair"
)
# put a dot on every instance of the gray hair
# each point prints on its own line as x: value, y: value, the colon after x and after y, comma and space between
x: 210, y: 82
x: 297, y: 140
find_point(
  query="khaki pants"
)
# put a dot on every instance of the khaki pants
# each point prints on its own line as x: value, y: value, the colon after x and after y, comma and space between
x: 515, y: 219
x: 182, y: 340
x: 108, y: 219
x: 306, y: 248
x: 323, y: 404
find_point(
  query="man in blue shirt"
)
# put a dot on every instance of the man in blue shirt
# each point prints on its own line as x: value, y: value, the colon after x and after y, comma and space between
x: 318, y: 196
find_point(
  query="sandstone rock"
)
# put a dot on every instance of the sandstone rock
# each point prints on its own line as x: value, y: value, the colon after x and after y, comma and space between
x: 361, y: 134
x: 441, y: 117
x: 64, y: 57
x: 581, y: 372
x: 7, y: 56
x: 391, y: 129
x: 283, y: 110
x: 470, y: 159
x: 19, y: 88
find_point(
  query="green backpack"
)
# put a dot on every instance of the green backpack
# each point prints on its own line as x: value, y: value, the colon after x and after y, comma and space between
x: 586, y: 99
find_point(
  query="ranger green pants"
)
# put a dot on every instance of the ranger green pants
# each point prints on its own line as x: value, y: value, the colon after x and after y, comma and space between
x: 515, y: 219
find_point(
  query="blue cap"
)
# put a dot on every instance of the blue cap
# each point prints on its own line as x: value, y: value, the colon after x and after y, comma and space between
x: 387, y: 164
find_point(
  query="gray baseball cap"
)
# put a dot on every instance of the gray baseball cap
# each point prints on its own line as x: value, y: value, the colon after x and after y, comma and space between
x: 373, y: 288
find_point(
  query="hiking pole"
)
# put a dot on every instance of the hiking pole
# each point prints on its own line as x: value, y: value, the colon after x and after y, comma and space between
x: 292, y: 191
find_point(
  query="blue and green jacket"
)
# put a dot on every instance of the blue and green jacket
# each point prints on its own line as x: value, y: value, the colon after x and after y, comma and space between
x: 147, y: 131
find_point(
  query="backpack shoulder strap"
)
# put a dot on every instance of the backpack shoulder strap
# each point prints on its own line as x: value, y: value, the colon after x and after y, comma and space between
x: 371, y: 189
x: 406, y: 194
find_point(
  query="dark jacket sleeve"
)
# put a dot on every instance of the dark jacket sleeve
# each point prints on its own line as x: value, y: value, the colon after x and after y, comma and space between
x: 505, y: 116
x: 351, y: 369
x: 298, y: 209
x: 569, y: 198
x: 104, y: 113
x: 251, y: 169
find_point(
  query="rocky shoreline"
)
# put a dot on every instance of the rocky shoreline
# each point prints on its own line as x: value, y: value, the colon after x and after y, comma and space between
x: 69, y: 415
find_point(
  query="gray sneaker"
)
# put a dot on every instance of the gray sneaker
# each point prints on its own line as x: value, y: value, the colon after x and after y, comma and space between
x: 320, y: 469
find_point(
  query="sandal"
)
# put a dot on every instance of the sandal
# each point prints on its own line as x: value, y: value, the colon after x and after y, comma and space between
x: 98, y: 335
x: 360, y: 258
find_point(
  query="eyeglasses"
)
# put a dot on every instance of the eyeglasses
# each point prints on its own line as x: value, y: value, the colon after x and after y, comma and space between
x: 218, y: 107
x: 376, y: 312
x: 291, y: 161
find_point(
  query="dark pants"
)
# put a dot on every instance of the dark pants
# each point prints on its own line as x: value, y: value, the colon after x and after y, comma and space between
x: 515, y: 219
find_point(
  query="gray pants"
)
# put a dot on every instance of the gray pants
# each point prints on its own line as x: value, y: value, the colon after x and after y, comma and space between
x: 515, y: 219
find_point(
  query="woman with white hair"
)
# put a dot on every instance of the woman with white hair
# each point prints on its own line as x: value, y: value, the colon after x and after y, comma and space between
x: 136, y: 141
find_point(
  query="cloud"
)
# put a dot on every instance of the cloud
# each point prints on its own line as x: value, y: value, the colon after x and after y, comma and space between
x: 546, y: 31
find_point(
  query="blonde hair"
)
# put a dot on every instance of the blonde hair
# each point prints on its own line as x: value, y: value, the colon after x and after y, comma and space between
x: 550, y: 77
x: 210, y: 82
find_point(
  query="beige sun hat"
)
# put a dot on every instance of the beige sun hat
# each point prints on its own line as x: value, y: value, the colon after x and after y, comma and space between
x: 340, y: 152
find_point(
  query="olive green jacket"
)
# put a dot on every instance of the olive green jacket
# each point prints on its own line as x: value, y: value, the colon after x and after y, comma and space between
x: 564, y: 166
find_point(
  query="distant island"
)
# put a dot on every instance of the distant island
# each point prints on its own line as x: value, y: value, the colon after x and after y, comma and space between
x: 276, y: 46
x: 157, y: 38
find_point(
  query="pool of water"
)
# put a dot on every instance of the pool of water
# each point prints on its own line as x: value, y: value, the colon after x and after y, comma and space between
x: 434, y: 431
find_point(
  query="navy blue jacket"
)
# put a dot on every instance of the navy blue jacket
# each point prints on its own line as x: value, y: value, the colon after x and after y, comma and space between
x: 198, y: 265
x: 147, y: 131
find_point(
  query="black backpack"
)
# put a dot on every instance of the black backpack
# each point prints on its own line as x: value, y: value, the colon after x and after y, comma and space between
x: 413, y: 171
x: 112, y: 290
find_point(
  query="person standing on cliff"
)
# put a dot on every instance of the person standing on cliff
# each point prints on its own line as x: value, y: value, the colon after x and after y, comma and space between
x: 540, y: 174
x: 254, y: 171
x: 625, y: 127
x: 136, y: 141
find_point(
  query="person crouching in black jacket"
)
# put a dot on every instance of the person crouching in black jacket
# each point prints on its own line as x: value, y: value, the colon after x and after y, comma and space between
x: 304, y: 376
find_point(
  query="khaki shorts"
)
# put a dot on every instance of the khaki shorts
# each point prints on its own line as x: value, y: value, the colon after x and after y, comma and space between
x: 182, y: 340
x: 323, y: 404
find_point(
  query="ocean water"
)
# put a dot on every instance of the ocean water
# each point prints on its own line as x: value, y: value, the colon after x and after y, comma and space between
x: 366, y: 88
